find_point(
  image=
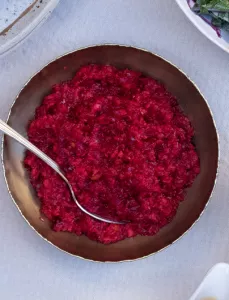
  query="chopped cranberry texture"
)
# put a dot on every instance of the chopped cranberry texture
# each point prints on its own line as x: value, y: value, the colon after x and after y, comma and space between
x: 124, y: 144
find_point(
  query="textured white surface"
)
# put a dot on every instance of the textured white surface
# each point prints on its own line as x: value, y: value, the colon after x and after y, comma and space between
x: 32, y: 269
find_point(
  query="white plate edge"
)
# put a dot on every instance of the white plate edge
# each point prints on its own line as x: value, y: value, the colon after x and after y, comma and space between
x: 30, y: 28
x: 195, y: 20
x: 219, y: 265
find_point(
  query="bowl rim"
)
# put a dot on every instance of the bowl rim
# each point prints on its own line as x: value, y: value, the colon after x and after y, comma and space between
x: 151, y: 53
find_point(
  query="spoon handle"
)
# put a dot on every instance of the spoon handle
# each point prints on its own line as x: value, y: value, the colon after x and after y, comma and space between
x: 23, y: 141
x: 19, y: 138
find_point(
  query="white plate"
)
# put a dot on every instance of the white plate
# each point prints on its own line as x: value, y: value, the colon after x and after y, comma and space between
x: 206, y: 29
x: 24, y: 22
x: 215, y: 285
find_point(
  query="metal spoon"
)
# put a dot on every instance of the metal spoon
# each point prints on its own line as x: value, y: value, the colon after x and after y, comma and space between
x: 12, y: 133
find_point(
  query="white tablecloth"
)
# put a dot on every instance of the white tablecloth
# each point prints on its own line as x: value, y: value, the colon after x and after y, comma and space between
x: 30, y: 268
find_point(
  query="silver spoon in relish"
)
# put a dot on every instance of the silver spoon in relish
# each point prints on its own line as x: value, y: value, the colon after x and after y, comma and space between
x: 19, y: 138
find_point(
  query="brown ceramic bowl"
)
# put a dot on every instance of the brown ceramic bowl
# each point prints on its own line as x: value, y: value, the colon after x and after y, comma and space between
x: 193, y: 105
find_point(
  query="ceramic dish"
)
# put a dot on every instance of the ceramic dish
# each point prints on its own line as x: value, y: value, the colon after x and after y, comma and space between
x: 215, y: 285
x: 25, y: 21
x: 205, y: 28
x: 191, y: 101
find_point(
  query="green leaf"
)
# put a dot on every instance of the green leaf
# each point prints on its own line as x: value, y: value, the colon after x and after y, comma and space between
x: 221, y: 17
x: 216, y: 4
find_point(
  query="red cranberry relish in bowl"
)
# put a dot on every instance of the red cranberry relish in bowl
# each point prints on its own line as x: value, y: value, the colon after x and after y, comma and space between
x: 123, y: 143
x: 126, y: 127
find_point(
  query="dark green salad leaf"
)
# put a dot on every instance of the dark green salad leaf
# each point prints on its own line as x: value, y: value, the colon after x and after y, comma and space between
x: 218, y: 10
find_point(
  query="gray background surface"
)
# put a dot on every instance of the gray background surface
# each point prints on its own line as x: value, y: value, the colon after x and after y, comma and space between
x: 30, y: 268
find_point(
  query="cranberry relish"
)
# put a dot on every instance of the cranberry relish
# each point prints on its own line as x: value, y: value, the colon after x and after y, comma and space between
x: 125, y: 146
